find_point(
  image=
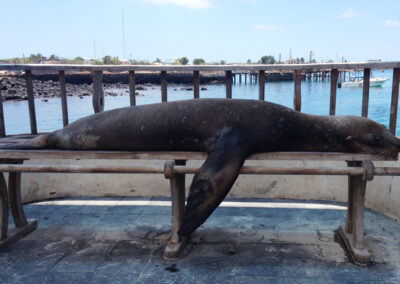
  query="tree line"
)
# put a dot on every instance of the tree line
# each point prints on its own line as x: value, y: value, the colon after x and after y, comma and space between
x: 114, y: 60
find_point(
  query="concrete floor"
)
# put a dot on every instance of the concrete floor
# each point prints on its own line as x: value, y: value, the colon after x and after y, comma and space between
x: 121, y: 240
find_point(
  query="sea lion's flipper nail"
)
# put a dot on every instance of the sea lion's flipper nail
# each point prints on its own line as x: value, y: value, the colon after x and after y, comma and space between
x: 211, y: 185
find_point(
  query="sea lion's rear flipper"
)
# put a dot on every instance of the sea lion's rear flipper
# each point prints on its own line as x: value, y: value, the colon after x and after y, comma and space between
x: 39, y: 142
x: 213, y: 182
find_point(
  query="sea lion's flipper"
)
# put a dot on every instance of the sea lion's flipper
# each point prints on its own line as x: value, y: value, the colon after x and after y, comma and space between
x: 213, y: 182
x: 39, y: 142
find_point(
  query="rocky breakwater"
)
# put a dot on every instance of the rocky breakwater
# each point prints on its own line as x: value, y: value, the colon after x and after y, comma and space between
x: 46, y: 86
x: 13, y: 88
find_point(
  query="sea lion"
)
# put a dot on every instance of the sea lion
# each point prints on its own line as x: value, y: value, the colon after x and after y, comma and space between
x: 228, y: 130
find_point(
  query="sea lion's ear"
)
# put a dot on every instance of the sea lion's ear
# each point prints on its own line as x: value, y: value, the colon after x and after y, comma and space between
x: 348, y: 139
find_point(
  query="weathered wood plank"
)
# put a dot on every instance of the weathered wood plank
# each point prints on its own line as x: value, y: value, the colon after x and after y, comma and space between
x: 14, y: 197
x: 395, y: 100
x: 176, y: 243
x: 228, y: 82
x: 3, y: 208
x: 70, y: 154
x: 63, y: 94
x: 164, y: 97
x: 31, y: 101
x: 196, y: 84
x: 365, y: 99
x: 132, y: 88
x: 302, y: 170
x: 297, y: 90
x: 191, y: 68
x: 98, y: 94
x: 2, y: 124
x: 261, y: 85
x: 332, y: 103
x: 18, y: 233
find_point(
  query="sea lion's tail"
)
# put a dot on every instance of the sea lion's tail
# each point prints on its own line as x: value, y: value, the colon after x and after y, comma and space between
x: 211, y: 185
x: 39, y: 142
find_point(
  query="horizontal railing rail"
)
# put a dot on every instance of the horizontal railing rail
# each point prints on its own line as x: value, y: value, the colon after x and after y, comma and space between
x: 258, y: 69
x: 190, y: 68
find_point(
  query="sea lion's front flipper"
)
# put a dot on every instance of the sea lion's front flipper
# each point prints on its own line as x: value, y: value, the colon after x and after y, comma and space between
x: 213, y: 182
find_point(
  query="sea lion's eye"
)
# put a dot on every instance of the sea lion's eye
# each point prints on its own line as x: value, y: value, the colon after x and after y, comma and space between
x: 374, y: 139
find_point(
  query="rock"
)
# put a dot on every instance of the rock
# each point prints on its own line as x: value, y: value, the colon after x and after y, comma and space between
x: 140, y: 88
x: 4, y: 88
x: 203, y: 89
x: 45, y: 100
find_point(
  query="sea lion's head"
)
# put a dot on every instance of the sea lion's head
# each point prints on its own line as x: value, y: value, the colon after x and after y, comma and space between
x: 367, y: 136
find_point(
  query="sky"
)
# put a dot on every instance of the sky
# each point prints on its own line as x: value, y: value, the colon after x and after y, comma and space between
x: 230, y: 30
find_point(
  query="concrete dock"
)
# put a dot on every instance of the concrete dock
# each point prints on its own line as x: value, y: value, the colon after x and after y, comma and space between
x: 121, y: 240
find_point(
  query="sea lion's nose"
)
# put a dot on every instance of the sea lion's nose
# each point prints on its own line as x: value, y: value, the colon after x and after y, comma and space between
x: 398, y: 143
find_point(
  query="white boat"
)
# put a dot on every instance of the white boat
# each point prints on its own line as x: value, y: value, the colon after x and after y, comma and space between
x: 359, y: 82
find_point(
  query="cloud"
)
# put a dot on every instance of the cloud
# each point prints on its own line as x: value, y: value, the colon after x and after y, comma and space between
x: 193, y: 4
x: 392, y: 23
x: 267, y: 28
x: 350, y: 13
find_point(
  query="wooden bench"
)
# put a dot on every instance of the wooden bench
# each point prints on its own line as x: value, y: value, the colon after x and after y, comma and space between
x: 359, y: 170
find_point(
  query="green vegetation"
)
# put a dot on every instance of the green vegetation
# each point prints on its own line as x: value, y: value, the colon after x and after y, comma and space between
x: 108, y: 60
x: 268, y: 59
x: 198, y: 61
x: 183, y: 60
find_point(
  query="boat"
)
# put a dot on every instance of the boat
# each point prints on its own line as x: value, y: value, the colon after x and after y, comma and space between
x: 359, y: 82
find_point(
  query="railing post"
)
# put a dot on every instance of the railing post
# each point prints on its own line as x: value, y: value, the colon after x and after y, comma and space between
x: 228, y: 82
x: 132, y: 88
x: 2, y: 126
x: 365, y: 99
x: 395, y: 100
x: 332, y: 104
x: 98, y: 94
x: 196, y: 84
x: 164, y: 97
x: 297, y: 90
x: 261, y: 85
x: 31, y: 101
x: 63, y: 94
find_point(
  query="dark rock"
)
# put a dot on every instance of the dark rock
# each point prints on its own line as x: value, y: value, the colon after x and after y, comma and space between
x: 45, y: 100
x: 203, y: 89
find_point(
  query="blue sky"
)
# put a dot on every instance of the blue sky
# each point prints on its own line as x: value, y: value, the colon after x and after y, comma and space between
x: 231, y: 30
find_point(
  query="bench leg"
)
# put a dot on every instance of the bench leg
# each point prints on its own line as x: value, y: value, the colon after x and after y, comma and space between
x: 176, y: 244
x: 4, y: 208
x: 353, y: 231
x: 22, y: 226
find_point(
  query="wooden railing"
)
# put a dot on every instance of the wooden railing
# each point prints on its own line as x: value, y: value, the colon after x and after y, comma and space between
x: 297, y: 69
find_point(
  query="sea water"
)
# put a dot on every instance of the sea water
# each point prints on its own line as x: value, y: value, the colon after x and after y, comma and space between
x: 315, y: 96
